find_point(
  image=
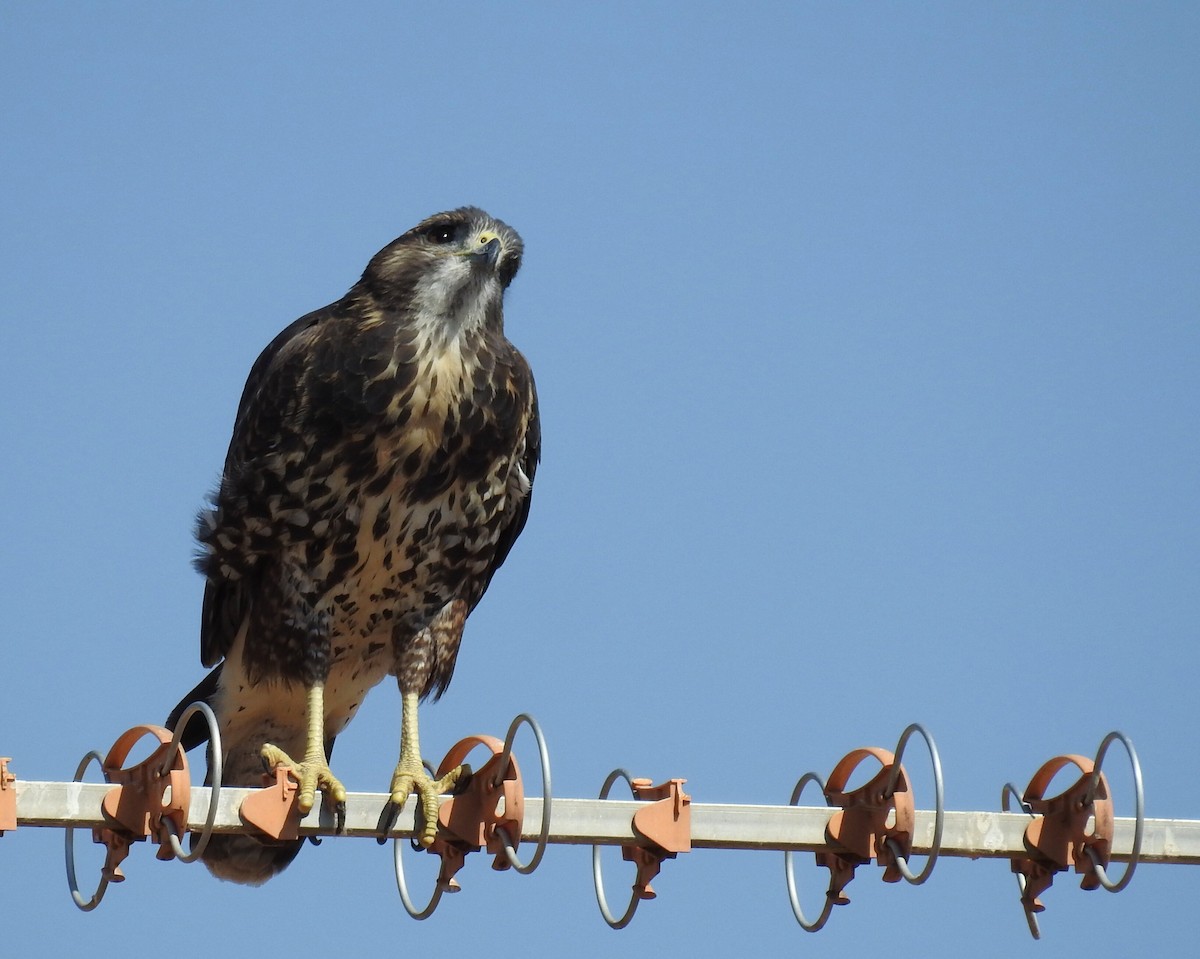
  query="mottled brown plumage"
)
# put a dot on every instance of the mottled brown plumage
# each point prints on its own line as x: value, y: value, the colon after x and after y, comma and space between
x: 380, y: 470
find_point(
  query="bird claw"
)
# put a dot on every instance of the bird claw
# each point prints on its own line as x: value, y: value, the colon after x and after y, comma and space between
x: 407, y: 780
x: 312, y: 775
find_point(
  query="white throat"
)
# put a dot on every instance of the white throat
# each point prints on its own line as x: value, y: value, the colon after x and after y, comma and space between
x: 452, y: 299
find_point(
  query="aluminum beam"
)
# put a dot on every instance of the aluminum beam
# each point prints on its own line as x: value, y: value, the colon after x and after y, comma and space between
x: 974, y: 835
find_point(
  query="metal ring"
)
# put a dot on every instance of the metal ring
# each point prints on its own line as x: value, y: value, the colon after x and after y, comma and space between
x: 1140, y: 808
x: 939, y: 804
x: 1030, y: 917
x: 215, y: 769
x: 1011, y: 790
x: 510, y: 851
x: 597, y: 870
x: 86, y: 905
x: 402, y: 887
x: 789, y: 872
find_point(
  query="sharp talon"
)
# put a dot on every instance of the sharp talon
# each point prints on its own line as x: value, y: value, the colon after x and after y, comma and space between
x: 340, y: 816
x: 391, y: 812
x: 411, y: 779
x: 315, y: 840
x: 464, y: 780
x: 313, y: 776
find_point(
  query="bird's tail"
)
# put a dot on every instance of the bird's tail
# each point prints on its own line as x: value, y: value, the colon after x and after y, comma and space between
x: 234, y: 857
x: 248, y: 860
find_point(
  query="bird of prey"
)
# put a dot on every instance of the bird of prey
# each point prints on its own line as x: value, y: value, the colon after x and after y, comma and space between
x: 380, y: 469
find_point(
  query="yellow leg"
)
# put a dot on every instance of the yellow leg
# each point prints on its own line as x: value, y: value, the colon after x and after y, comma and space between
x: 313, y: 773
x: 410, y: 775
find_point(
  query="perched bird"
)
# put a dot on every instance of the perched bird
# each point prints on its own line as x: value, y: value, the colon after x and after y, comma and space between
x: 380, y: 470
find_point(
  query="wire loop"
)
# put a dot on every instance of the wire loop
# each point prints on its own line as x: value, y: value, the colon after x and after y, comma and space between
x: 215, y: 771
x: 544, y: 758
x: 1139, y: 811
x: 939, y: 807
x: 402, y: 887
x: 1011, y: 791
x: 85, y: 905
x: 789, y: 872
x: 597, y: 868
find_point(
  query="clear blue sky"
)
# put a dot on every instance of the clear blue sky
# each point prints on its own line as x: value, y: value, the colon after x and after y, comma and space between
x: 867, y: 344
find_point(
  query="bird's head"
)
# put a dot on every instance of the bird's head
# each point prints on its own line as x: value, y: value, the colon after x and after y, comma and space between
x: 451, y: 268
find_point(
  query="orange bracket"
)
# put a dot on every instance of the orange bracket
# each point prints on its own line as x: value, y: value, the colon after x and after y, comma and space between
x: 489, y: 810
x: 273, y: 809
x: 1067, y: 826
x: 146, y: 799
x: 664, y: 828
x: 8, y: 796
x: 871, y: 823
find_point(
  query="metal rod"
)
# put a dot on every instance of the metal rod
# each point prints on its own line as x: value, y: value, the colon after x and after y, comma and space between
x: 974, y: 835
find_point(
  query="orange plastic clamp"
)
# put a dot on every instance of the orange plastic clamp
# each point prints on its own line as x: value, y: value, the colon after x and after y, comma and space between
x: 273, y: 809
x: 665, y: 826
x: 1067, y: 825
x: 868, y: 818
x: 492, y: 800
x: 137, y: 805
x: 8, y: 796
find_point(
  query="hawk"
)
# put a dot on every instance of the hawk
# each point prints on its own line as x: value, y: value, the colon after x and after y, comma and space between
x: 380, y: 470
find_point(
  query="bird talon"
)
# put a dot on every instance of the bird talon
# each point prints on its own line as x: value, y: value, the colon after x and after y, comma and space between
x: 387, y: 819
x: 311, y: 775
x: 405, y: 782
x: 461, y: 781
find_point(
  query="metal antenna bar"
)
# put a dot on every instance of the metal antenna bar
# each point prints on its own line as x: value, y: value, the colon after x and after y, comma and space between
x: 989, y: 835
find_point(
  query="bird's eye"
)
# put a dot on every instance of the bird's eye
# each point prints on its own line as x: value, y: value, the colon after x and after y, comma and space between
x: 441, y: 235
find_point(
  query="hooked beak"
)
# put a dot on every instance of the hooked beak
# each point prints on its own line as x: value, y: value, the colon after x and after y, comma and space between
x: 487, y: 247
